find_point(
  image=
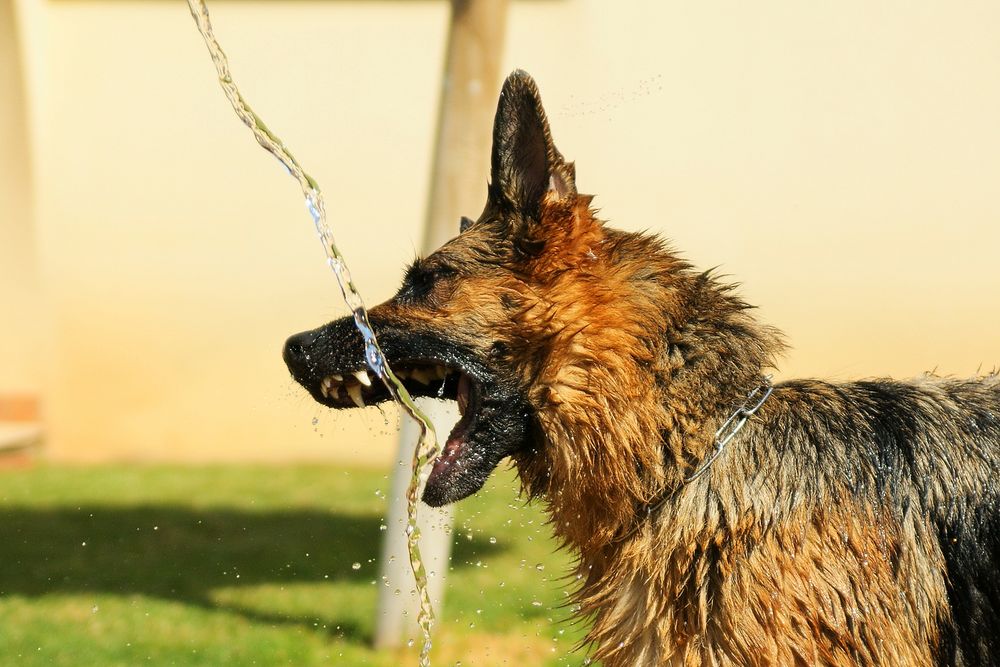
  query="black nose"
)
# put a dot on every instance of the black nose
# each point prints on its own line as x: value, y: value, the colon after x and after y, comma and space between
x: 297, y: 351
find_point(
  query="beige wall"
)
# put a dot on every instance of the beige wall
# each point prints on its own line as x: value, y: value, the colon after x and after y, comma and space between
x: 19, y: 290
x: 840, y: 160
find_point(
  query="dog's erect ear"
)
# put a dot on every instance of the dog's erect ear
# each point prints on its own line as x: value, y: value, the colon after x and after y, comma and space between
x: 526, y: 165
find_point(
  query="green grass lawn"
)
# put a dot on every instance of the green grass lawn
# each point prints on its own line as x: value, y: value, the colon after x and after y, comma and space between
x: 222, y: 565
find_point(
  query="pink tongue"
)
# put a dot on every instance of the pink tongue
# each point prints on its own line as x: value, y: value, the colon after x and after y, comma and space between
x: 464, y: 387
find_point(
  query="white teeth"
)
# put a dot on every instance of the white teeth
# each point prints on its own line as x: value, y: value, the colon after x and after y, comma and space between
x: 331, y: 385
x: 463, y: 392
x: 354, y: 391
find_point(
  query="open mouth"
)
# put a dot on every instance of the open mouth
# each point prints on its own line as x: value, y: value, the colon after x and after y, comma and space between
x: 358, y: 388
x: 496, y: 418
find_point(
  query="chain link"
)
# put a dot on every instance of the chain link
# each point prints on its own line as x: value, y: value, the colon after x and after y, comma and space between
x: 736, y: 421
x: 726, y: 432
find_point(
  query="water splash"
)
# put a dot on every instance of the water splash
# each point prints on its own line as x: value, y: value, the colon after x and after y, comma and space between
x: 427, y: 447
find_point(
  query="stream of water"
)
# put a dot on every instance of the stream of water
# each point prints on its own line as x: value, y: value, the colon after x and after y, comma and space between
x: 427, y: 447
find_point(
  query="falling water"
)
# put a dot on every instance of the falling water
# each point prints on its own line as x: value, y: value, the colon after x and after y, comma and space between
x: 427, y: 446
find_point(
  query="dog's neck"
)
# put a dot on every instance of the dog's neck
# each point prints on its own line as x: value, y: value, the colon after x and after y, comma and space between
x: 653, y: 358
x: 617, y: 433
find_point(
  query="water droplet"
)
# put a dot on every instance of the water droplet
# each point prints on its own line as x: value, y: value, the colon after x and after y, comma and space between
x: 356, y: 566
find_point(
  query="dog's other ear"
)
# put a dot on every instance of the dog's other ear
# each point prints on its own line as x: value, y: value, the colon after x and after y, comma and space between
x: 526, y: 166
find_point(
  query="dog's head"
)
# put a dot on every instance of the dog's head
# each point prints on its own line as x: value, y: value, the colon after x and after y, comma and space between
x: 470, y: 322
x: 558, y: 337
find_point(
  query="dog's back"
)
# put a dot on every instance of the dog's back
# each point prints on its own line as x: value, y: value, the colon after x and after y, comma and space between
x: 847, y: 524
x: 924, y: 457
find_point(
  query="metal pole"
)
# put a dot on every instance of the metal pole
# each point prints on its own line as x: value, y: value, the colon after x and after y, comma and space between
x: 458, y: 187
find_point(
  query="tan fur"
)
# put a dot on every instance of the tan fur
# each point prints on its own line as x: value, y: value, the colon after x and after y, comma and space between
x: 848, y: 524
x: 773, y: 596
x: 820, y: 589
x: 716, y: 579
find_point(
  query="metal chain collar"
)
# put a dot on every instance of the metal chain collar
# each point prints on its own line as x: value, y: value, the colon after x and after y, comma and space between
x: 736, y: 421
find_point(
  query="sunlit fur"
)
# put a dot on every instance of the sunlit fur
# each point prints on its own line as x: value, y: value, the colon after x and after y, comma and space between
x: 822, y: 534
x: 846, y: 524
x: 834, y: 529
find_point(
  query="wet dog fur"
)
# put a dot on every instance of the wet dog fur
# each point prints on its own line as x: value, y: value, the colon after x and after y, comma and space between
x: 846, y: 524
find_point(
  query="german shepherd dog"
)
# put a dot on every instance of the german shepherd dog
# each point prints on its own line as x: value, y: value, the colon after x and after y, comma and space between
x: 836, y: 524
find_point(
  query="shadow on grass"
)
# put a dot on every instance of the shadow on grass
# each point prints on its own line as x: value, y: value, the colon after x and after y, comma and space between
x: 181, y: 554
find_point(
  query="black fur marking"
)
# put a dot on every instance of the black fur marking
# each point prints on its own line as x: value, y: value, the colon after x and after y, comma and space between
x: 419, y: 281
x: 971, y: 546
x: 887, y: 408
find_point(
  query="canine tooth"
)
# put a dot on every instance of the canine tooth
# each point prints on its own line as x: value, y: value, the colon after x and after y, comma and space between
x: 338, y: 377
x: 363, y: 378
x: 421, y: 375
x: 441, y: 372
x: 324, y: 389
x: 354, y: 391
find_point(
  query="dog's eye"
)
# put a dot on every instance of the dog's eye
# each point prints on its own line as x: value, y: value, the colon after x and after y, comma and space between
x: 420, y: 280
